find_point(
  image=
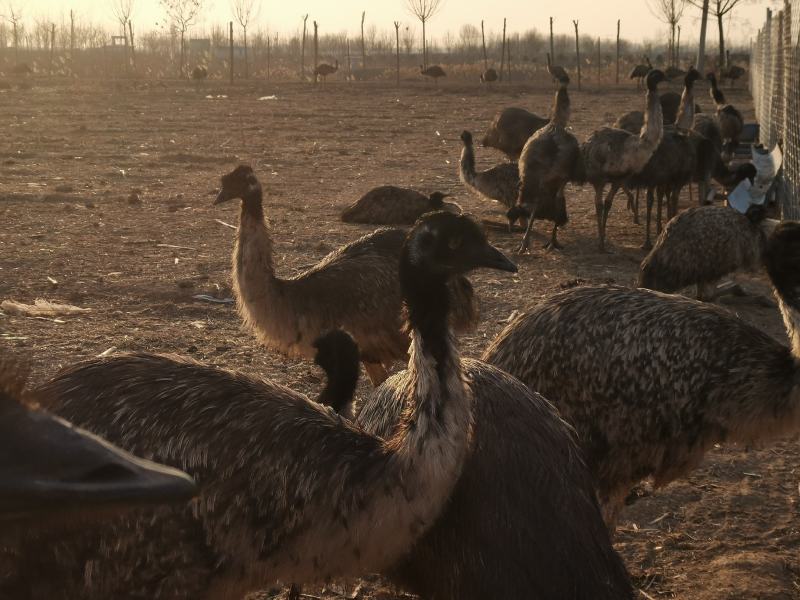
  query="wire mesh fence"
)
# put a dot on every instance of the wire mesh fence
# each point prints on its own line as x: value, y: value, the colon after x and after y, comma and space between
x: 775, y: 85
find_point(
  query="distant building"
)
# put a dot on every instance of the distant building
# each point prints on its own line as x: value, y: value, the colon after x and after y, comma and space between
x: 200, y: 45
x: 224, y: 52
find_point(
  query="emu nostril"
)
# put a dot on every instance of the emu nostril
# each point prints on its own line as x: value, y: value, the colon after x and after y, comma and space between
x: 106, y: 473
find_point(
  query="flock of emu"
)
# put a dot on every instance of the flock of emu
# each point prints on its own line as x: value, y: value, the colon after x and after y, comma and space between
x: 455, y: 478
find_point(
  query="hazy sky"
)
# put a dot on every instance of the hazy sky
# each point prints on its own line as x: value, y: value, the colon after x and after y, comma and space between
x: 597, y: 17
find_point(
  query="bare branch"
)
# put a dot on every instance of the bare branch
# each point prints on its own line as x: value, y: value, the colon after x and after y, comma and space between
x: 245, y: 11
x: 668, y: 11
x: 122, y: 10
x: 424, y: 9
x: 182, y: 12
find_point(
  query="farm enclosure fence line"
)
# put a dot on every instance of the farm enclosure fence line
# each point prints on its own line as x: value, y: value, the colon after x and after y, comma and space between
x: 775, y: 85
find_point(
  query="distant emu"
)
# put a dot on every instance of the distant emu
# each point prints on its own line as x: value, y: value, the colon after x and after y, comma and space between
x: 199, y: 73
x: 324, y: 69
x: 434, y: 72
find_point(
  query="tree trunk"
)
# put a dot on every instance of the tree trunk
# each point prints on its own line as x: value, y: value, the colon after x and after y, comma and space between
x: 503, y: 51
x: 678, y: 48
x: 133, y: 52
x: 183, y: 48
x: 363, y: 45
x: 424, y: 48
x: 721, y: 41
x: 268, y: 56
x: 230, y: 44
x: 52, y: 47
x: 616, y: 76
x: 485, y: 58
x: 701, y: 51
x: 552, y: 51
x: 246, y: 74
x: 577, y: 53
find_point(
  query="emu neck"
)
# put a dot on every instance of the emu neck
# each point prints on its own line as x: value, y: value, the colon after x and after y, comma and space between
x: 339, y: 389
x: 716, y: 94
x: 442, y: 403
x: 253, y: 243
x: 791, y: 319
x: 685, y: 118
x: 468, y: 163
x: 653, y: 127
x: 560, y: 113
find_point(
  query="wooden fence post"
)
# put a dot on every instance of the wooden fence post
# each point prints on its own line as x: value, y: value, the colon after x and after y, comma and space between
x: 503, y: 51
x: 230, y: 41
x: 616, y: 77
x: 316, y: 50
x: 577, y: 52
x: 485, y: 58
x: 397, y: 42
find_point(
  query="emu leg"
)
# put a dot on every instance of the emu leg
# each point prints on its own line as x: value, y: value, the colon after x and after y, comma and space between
x: 293, y: 593
x: 377, y: 373
x: 553, y: 244
x: 523, y: 246
x: 660, y: 193
x: 650, y: 198
x: 606, y: 209
x: 598, y: 206
x: 610, y: 507
x: 672, y: 203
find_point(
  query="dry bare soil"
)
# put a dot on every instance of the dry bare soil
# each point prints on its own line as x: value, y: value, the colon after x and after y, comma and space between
x: 72, y: 156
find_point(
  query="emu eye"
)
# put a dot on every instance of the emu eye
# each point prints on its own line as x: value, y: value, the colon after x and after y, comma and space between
x: 454, y: 243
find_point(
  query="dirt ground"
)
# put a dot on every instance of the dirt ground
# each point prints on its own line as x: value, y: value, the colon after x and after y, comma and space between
x: 105, y: 203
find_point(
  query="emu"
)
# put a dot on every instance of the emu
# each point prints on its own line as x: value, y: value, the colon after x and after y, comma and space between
x: 290, y: 491
x: 652, y: 381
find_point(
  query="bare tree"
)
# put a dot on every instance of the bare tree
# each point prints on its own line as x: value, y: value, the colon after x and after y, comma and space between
x: 182, y: 15
x: 670, y: 12
x: 424, y: 10
x: 122, y: 10
x: 719, y: 8
x: 14, y: 16
x: 244, y: 11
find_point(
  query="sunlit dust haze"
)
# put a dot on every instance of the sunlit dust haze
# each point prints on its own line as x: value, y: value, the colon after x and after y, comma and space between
x: 597, y: 18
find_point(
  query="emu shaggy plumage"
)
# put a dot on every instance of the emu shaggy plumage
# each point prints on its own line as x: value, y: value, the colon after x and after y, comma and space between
x: 702, y: 245
x: 548, y: 162
x: 290, y: 491
x: 611, y: 155
x: 652, y: 381
x: 355, y: 288
x: 392, y: 205
x: 510, y: 129
x: 499, y: 183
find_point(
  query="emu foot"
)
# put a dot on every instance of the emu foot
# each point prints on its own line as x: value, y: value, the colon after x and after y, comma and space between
x: 553, y: 245
x: 293, y: 593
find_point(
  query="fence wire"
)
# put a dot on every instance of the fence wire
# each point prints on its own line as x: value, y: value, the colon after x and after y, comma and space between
x: 775, y: 85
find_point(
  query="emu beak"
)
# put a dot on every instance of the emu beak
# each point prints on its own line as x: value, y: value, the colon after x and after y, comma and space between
x: 491, y: 258
x: 222, y: 196
x: 55, y: 467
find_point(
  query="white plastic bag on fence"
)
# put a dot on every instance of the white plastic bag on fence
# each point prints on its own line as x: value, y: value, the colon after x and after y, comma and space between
x: 767, y: 165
